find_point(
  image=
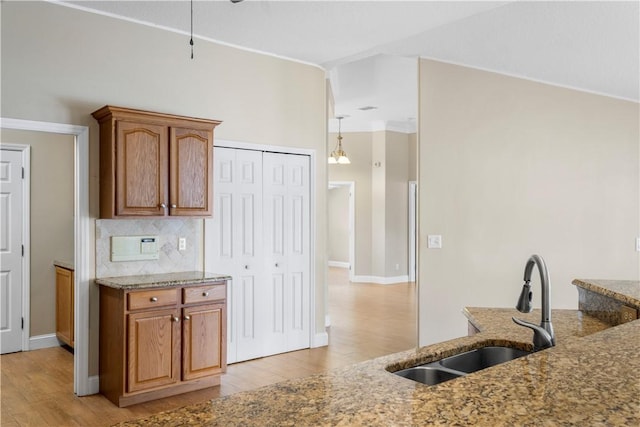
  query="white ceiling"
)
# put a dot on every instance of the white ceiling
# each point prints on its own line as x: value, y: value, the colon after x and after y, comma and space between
x: 369, y: 47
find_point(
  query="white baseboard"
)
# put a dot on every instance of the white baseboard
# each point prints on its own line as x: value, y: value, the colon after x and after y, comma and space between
x: 380, y: 280
x: 339, y: 264
x: 43, y: 341
x: 320, y: 340
x: 94, y: 384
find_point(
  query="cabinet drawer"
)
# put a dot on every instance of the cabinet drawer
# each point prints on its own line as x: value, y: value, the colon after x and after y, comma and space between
x: 204, y: 293
x: 152, y: 298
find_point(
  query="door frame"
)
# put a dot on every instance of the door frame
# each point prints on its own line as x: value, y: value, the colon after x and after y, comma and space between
x: 82, y: 384
x: 352, y: 223
x: 413, y: 229
x: 26, y: 239
x: 316, y: 339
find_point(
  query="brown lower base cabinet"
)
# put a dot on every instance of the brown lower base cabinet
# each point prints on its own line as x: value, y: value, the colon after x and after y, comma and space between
x: 161, y: 342
x: 64, y: 306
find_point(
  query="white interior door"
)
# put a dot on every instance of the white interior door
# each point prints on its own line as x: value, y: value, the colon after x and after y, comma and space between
x: 11, y: 250
x: 286, y: 251
x: 233, y: 245
x: 260, y: 235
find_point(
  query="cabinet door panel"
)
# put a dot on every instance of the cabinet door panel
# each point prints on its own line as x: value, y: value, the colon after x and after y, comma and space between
x: 204, y: 346
x: 191, y: 172
x: 153, y: 349
x: 141, y: 156
x: 64, y: 305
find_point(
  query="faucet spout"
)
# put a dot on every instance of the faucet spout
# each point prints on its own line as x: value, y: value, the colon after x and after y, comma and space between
x: 543, y: 335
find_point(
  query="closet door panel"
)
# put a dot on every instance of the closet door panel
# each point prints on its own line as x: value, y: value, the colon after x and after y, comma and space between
x: 286, y: 199
x: 248, y: 260
x: 260, y: 235
x: 233, y: 245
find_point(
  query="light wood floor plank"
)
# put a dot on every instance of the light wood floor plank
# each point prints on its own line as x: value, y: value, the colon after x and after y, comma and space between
x: 367, y: 321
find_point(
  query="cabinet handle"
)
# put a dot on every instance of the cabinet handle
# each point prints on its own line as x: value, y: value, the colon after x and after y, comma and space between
x: 205, y: 294
x: 153, y: 299
x: 174, y: 206
x: 163, y: 206
x: 187, y: 317
x: 277, y: 265
x: 246, y: 267
x: 175, y: 319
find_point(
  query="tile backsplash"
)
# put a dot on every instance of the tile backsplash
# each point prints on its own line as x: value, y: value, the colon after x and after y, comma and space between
x: 168, y: 232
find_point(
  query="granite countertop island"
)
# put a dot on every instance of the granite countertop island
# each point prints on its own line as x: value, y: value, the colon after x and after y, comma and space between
x: 161, y: 280
x: 591, y: 377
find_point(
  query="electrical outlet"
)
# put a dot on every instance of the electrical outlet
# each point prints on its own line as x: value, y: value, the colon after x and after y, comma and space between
x: 182, y: 244
x: 627, y: 314
x: 637, y: 244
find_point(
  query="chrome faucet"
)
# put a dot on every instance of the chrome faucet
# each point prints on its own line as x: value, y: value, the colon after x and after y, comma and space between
x: 543, y: 336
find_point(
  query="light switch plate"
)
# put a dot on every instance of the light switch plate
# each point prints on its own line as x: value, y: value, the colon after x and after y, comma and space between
x: 434, y: 241
x: 134, y: 248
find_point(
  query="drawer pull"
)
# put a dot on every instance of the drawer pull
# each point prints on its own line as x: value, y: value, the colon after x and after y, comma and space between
x: 205, y: 294
x: 175, y: 319
x: 187, y: 317
x: 153, y: 299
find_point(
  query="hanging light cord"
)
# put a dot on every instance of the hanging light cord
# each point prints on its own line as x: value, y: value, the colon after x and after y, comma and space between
x: 191, y: 41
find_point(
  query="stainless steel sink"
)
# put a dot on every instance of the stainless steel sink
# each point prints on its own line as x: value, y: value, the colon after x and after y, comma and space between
x: 428, y: 375
x: 461, y: 364
x: 481, y: 358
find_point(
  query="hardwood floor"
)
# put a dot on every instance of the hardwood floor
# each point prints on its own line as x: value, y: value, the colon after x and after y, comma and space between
x: 367, y: 321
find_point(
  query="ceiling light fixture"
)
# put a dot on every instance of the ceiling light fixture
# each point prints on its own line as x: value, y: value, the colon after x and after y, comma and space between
x: 338, y: 156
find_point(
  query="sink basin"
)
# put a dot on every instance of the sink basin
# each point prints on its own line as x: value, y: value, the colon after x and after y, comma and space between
x: 481, y: 358
x: 428, y: 375
x: 461, y: 364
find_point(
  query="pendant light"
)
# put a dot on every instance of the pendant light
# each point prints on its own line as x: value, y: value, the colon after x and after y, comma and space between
x: 338, y: 156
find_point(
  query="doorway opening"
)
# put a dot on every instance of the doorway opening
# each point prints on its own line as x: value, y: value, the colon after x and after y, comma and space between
x: 341, y: 225
x: 82, y: 384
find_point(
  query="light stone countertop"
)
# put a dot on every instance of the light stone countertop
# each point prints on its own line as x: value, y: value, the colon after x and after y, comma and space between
x: 64, y: 264
x: 161, y: 280
x: 591, y: 377
x: 626, y: 291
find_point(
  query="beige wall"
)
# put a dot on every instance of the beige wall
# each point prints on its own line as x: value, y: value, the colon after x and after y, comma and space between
x: 379, y: 168
x: 77, y: 62
x: 509, y: 168
x: 413, y: 157
x: 52, y: 232
x: 358, y: 148
x: 397, y: 204
x: 338, y: 224
x: 378, y: 204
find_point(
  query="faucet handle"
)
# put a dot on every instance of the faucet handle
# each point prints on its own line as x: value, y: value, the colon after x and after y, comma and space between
x: 541, y: 338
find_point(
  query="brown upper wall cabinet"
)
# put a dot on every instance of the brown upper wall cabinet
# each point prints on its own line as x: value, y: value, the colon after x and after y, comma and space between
x: 153, y: 164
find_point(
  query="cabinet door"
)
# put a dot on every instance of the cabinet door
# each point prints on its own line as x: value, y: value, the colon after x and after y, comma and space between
x: 153, y: 349
x: 141, y: 169
x: 191, y: 172
x: 64, y: 305
x: 204, y: 344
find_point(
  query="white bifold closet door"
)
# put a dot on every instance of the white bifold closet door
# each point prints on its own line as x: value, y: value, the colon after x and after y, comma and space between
x: 260, y: 236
